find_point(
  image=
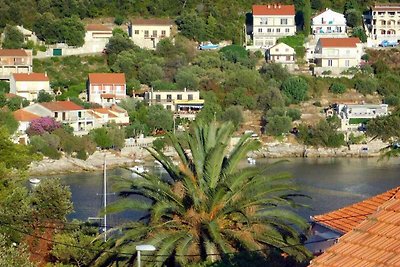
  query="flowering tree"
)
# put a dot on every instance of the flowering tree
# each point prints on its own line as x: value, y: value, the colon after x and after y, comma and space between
x: 42, y: 125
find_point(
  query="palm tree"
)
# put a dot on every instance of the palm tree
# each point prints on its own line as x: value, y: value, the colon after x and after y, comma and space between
x: 210, y: 206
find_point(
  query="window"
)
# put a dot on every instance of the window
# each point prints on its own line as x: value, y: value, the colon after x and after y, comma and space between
x: 278, y: 30
x: 287, y: 30
x: 136, y: 31
x: 347, y: 63
x: 163, y: 33
x: 269, y: 30
x: 284, y: 22
x: 287, y: 58
x: 158, y: 98
x: 190, y: 97
x: 146, y: 33
x: 287, y: 50
x: 330, y: 63
x: 276, y: 49
x: 169, y: 98
x: 79, y: 114
x: 259, y: 30
x: 55, y: 114
x: 154, y: 33
x: 179, y: 97
x: 168, y: 107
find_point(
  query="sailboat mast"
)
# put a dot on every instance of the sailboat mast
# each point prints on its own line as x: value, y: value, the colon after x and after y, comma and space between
x: 105, y: 199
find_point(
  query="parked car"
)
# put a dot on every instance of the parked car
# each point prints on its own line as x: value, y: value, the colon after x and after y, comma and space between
x: 387, y: 43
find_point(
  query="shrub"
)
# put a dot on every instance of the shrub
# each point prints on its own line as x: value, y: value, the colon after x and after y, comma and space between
x: 159, y: 143
x: 392, y: 100
x: 295, y: 88
x: 294, y: 114
x: 42, y: 125
x: 326, y: 72
x: 81, y: 154
x: 337, y: 88
x: 278, y: 125
x: 366, y: 85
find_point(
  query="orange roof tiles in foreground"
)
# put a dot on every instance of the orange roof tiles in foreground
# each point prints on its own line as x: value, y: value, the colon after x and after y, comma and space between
x: 13, y: 53
x: 339, y: 42
x: 23, y: 115
x: 374, y: 242
x: 98, y: 27
x: 274, y: 10
x: 61, y: 106
x: 30, y: 77
x: 347, y: 218
x: 107, y: 78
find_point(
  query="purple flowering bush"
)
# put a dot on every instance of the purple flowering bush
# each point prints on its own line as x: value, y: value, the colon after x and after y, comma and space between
x: 42, y: 125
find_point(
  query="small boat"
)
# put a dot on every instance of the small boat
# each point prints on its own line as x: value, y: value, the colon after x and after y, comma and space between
x: 251, y: 161
x: 139, y: 169
x: 34, y: 181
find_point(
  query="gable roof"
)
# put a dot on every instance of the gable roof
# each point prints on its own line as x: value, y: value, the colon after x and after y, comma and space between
x: 105, y: 111
x: 374, y: 242
x: 30, y: 77
x: 327, y: 10
x: 347, y: 218
x: 23, y: 115
x: 283, y: 45
x: 61, y: 106
x: 339, y: 42
x: 153, y: 21
x: 13, y: 53
x: 107, y: 78
x: 274, y: 10
x: 97, y: 27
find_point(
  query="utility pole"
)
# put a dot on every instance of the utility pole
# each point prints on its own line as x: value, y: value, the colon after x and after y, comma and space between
x: 105, y: 199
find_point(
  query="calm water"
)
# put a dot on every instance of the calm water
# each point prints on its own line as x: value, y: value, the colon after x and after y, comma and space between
x: 331, y: 183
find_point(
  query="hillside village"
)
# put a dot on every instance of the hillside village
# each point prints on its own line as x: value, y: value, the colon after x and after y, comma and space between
x: 306, y: 82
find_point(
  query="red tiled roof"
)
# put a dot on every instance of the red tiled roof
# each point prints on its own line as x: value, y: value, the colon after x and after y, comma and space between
x: 105, y: 111
x: 339, y: 42
x: 347, y: 218
x: 274, y: 9
x: 107, y: 78
x: 153, y: 21
x: 11, y: 95
x: 61, y: 106
x: 31, y: 77
x: 97, y: 27
x: 13, y: 53
x: 386, y: 7
x: 374, y: 242
x: 23, y: 115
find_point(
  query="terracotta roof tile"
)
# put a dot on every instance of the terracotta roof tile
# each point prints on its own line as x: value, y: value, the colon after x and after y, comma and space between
x: 105, y: 111
x: 274, y: 10
x: 153, y: 21
x: 107, y: 78
x: 13, y: 53
x: 98, y: 27
x: 30, y: 77
x: 386, y: 7
x: 354, y: 214
x: 373, y: 242
x: 61, y: 106
x: 339, y: 42
x: 23, y: 115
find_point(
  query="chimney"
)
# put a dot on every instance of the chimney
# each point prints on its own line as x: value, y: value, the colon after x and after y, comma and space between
x: 279, y: 5
x: 274, y: 5
x: 45, y: 74
x: 269, y: 6
x: 184, y: 89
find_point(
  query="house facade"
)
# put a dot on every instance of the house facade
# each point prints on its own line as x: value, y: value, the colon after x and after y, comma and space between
x: 106, y: 89
x: 337, y: 54
x: 146, y: 33
x: 385, y: 22
x: 185, y: 103
x: 329, y: 24
x: 28, y: 85
x: 14, y: 61
x: 353, y: 116
x: 271, y: 22
x: 281, y: 53
x: 96, y: 37
x: 66, y: 112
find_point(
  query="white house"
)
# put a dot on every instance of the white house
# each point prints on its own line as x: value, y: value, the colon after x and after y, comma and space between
x: 24, y: 118
x: 353, y: 116
x: 96, y: 37
x: 281, y: 53
x: 146, y: 33
x: 271, y: 22
x: 28, y: 85
x: 113, y: 114
x: 329, y: 24
x: 80, y: 119
x: 14, y: 61
x: 337, y: 54
x: 385, y: 22
x: 186, y: 103
x: 106, y: 89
